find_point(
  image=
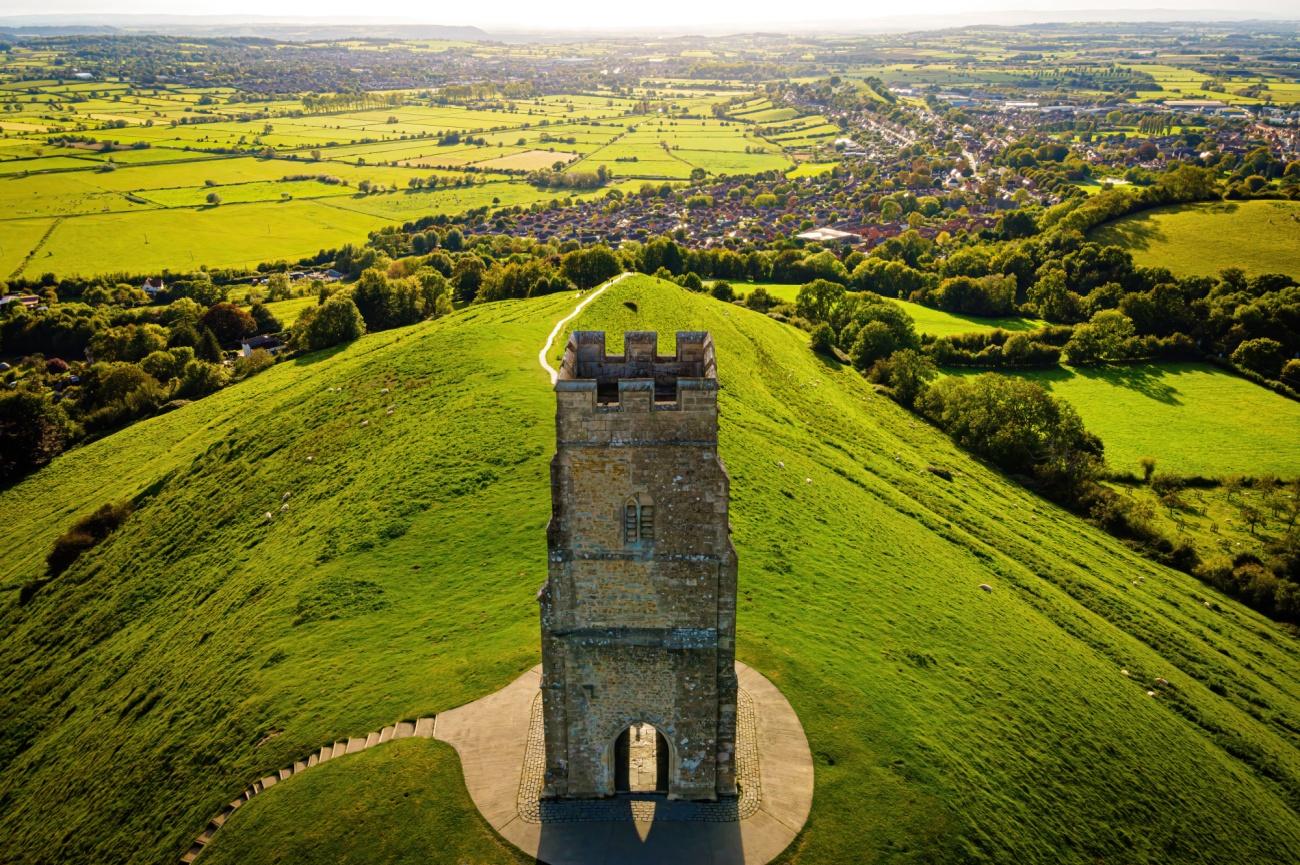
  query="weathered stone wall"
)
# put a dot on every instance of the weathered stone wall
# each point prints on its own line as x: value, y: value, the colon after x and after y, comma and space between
x: 638, y: 627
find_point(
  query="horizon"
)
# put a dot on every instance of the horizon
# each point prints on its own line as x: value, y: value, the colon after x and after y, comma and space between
x: 674, y: 18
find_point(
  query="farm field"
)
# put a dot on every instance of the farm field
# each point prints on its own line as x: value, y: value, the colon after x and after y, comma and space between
x: 1194, y: 418
x: 400, y: 582
x: 1202, y: 239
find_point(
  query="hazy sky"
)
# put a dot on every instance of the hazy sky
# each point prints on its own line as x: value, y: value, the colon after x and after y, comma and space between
x: 674, y: 14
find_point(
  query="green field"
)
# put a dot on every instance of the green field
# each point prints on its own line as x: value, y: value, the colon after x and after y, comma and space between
x: 1192, y: 417
x: 201, y: 647
x: 1202, y: 239
x: 928, y: 319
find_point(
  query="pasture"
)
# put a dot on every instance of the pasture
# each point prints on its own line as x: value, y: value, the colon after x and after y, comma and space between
x: 1202, y: 239
x: 1194, y: 418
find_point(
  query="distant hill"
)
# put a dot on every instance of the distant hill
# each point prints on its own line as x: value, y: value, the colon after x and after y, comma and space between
x: 283, y: 28
x: 203, y: 645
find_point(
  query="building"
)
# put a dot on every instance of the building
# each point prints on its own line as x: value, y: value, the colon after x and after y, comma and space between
x: 829, y: 235
x: 266, y: 343
x: 31, y: 301
x: 638, y: 611
x: 153, y: 285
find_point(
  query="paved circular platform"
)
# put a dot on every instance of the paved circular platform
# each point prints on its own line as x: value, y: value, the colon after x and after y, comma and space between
x: 499, y: 740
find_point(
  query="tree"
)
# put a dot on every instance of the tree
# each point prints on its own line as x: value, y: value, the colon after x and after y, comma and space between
x: 213, y: 199
x: 1263, y: 355
x: 1148, y: 466
x: 228, y: 322
x: 208, y: 349
x: 1053, y: 298
x: 373, y: 297
x: 818, y: 298
x: 875, y: 341
x: 336, y: 321
x: 264, y: 320
x: 907, y: 372
x: 467, y: 276
x: 760, y: 299
x: 722, y: 290
x: 1015, y: 423
x: 33, y: 431
x: 1101, y: 339
x: 588, y: 268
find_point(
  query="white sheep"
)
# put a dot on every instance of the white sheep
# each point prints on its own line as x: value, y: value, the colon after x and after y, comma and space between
x: 284, y: 508
x: 809, y: 480
x: 385, y: 390
x: 286, y: 497
x: 986, y: 587
x: 308, y: 459
x: 365, y: 423
x: 268, y: 516
x: 780, y: 463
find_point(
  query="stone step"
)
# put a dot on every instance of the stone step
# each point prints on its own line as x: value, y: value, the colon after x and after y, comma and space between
x: 355, y: 744
x: 405, y: 729
x: 424, y: 728
x: 386, y: 733
x: 340, y: 748
x: 270, y: 781
x: 300, y: 766
x: 372, y: 740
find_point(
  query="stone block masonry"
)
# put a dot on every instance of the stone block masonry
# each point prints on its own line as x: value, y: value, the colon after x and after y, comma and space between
x: 638, y: 612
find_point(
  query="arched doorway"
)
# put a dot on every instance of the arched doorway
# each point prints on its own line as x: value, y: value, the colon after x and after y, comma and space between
x: 641, y: 760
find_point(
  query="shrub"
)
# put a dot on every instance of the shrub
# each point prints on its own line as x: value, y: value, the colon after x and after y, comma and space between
x: 823, y: 340
x: 1291, y: 372
x: 760, y: 300
x: 56, y: 366
x: 722, y: 290
x: 85, y: 534
x: 258, y: 360
x: 199, y: 379
x: 1263, y: 356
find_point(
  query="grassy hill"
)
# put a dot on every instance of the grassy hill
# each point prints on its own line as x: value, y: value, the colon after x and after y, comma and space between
x: 201, y: 646
x: 1202, y: 239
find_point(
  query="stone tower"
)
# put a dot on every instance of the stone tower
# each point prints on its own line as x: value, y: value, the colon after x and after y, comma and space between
x: 639, y: 606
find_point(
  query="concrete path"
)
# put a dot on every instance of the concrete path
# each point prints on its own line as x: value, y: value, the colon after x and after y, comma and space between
x: 550, y: 340
x: 491, y: 736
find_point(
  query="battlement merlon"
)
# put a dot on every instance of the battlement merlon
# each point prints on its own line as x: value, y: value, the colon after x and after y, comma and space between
x: 639, y: 380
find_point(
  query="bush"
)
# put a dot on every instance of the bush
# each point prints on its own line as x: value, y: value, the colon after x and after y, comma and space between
x: 199, y: 379
x: 823, y: 340
x: 1263, y: 356
x: 258, y: 360
x: 85, y: 534
x: 722, y: 290
x: 761, y: 301
x: 56, y: 366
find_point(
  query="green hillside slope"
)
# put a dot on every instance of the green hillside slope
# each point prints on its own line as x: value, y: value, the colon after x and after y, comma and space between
x: 200, y: 646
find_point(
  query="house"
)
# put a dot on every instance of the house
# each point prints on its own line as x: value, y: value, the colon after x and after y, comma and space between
x: 153, y: 285
x: 333, y: 275
x: 31, y: 301
x: 266, y: 343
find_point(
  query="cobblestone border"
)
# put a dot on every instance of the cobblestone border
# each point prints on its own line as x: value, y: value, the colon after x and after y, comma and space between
x: 647, y: 807
x: 423, y: 728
